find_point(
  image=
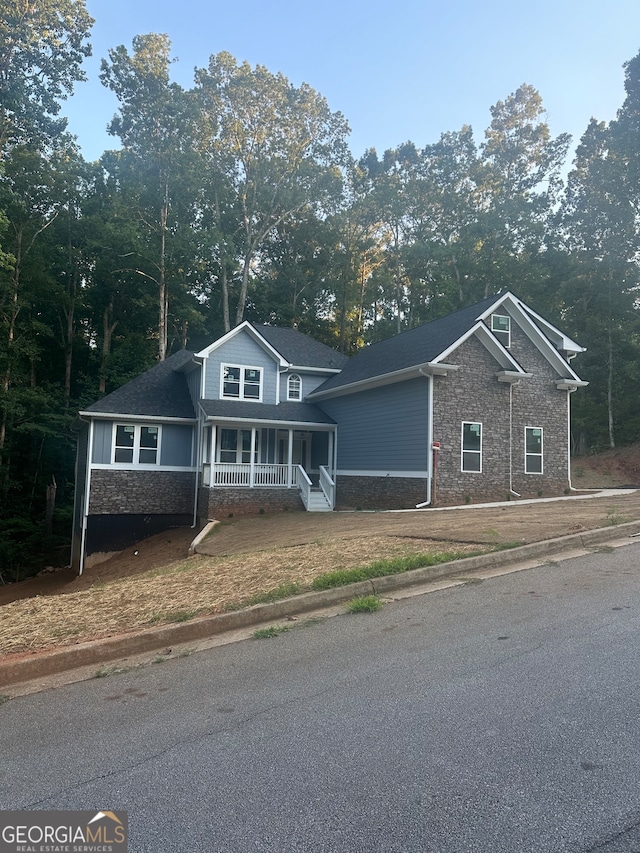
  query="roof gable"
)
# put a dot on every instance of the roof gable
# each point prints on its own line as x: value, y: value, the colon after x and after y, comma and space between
x: 427, y: 346
x: 287, y: 346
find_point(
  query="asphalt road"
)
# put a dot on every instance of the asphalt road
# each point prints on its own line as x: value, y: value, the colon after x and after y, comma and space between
x: 498, y: 717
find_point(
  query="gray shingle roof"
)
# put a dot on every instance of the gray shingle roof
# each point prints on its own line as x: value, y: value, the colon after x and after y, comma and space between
x: 270, y: 413
x: 300, y: 349
x: 158, y: 392
x: 408, y: 349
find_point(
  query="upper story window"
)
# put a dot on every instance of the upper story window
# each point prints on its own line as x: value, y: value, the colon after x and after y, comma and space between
x: 472, y: 447
x: 294, y: 387
x: 137, y: 445
x: 241, y: 383
x: 501, y: 328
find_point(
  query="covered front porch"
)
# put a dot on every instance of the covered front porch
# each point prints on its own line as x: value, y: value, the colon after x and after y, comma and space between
x: 300, y: 457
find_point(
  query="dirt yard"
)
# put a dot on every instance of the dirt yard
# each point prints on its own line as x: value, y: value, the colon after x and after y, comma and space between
x: 154, y: 582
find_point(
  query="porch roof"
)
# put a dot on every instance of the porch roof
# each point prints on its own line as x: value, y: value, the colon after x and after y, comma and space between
x: 290, y: 413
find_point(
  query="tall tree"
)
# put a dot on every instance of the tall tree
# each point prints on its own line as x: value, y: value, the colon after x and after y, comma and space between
x: 275, y: 149
x: 601, y: 221
x: 42, y: 46
x: 154, y: 124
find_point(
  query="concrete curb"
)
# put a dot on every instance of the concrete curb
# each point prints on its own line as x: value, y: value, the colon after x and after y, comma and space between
x: 108, y: 649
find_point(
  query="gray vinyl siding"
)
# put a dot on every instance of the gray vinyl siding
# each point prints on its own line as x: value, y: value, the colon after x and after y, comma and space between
x: 177, y: 445
x: 102, y: 441
x: 383, y: 428
x: 241, y: 350
x: 309, y: 383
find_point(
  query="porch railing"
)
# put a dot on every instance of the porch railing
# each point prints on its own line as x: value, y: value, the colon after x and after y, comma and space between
x: 328, y: 486
x: 246, y: 474
x: 304, y: 484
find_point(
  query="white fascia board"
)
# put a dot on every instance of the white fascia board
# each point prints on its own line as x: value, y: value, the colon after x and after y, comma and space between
x: 563, y: 342
x: 190, y: 366
x: 521, y: 313
x: 115, y: 416
x: 324, y: 371
x: 305, y: 425
x: 244, y: 327
x: 490, y: 342
x: 427, y: 369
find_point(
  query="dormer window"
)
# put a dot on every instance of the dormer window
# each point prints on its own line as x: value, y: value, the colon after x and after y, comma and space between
x: 501, y: 328
x: 241, y: 383
x: 294, y: 387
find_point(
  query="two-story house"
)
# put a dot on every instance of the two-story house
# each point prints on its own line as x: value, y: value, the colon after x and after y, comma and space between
x: 475, y: 406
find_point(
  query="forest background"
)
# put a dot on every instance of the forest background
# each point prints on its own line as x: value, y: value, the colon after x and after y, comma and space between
x: 239, y: 199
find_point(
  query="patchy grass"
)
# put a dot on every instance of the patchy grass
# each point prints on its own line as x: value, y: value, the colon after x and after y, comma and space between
x: 364, y: 604
x: 615, y: 517
x: 394, y: 566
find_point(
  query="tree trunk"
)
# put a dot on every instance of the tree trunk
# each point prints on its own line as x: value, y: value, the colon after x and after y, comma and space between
x: 163, y: 297
x: 108, y: 329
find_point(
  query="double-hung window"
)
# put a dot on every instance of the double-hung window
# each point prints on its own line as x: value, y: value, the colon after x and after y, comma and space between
x: 137, y: 445
x: 241, y: 383
x: 533, y: 450
x: 471, y: 447
x: 501, y: 328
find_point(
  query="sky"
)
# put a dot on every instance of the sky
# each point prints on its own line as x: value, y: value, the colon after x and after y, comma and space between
x: 398, y: 71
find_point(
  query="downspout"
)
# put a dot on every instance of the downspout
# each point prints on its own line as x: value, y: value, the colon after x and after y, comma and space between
x: 511, y: 491
x: 85, y: 509
x: 429, y: 379
x: 198, y: 461
x: 569, y: 438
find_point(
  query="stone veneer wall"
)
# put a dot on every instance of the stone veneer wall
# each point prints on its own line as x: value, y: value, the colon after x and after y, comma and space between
x: 221, y: 503
x: 116, y: 492
x: 474, y: 394
x: 379, y: 492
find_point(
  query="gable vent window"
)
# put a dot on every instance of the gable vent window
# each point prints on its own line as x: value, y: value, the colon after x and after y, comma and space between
x: 294, y: 387
x: 501, y: 328
x: 241, y: 383
x: 137, y: 445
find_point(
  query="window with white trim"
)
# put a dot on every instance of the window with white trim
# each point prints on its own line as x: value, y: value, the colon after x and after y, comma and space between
x: 471, y: 447
x: 241, y: 383
x: 137, y: 445
x: 235, y: 446
x: 294, y: 387
x: 501, y: 328
x: 533, y: 450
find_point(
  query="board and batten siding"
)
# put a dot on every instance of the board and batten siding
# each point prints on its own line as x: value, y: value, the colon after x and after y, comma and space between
x: 102, y: 442
x: 176, y: 444
x: 244, y: 351
x: 383, y: 429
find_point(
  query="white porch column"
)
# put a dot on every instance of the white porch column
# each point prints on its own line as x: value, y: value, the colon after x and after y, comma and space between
x: 330, y: 465
x: 252, y: 475
x: 290, y: 461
